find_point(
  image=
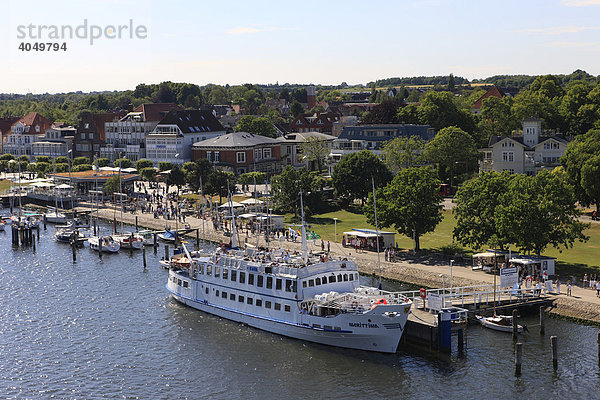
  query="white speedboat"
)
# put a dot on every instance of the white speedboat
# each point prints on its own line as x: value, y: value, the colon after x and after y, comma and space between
x: 65, y: 235
x: 167, y: 236
x: 129, y: 241
x: 502, y: 323
x: 108, y: 244
x: 147, y: 237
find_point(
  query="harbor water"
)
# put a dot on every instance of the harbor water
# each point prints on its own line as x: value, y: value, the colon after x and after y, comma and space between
x: 108, y: 329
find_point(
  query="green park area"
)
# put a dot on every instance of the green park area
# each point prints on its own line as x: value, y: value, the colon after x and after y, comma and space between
x: 581, y: 258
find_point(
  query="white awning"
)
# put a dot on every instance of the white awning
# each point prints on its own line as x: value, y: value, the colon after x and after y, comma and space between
x: 233, y: 204
x: 251, y: 201
x: 64, y: 186
x: 247, y: 216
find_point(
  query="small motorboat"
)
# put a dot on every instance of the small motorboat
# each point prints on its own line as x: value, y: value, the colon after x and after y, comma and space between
x: 108, y: 244
x: 64, y: 235
x: 168, y: 236
x: 502, y: 323
x: 75, y: 223
x: 147, y: 237
x: 54, y: 217
x: 129, y: 241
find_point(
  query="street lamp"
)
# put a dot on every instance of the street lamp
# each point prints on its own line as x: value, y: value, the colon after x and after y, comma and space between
x: 451, y: 262
x: 335, y: 220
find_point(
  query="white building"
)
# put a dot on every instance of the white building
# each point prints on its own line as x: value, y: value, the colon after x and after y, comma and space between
x: 24, y: 133
x: 178, y: 131
x: 127, y: 136
x: 526, y: 154
x: 57, y: 141
x: 291, y: 151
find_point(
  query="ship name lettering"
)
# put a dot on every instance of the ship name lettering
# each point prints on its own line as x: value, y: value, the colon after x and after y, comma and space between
x: 362, y: 325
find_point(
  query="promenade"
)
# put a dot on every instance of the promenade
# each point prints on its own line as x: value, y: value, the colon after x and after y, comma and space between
x: 427, y: 271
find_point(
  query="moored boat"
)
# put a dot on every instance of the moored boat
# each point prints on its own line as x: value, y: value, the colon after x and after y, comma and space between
x: 502, y: 323
x: 108, y: 244
x: 129, y: 241
x: 147, y: 237
x: 65, y: 235
x: 167, y: 236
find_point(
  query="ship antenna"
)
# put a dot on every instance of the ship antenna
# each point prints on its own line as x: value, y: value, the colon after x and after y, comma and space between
x: 376, y: 230
x: 233, y: 232
x: 304, y: 244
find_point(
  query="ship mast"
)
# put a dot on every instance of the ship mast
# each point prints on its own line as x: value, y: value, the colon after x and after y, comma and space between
x: 233, y: 231
x: 376, y: 230
x: 303, y: 231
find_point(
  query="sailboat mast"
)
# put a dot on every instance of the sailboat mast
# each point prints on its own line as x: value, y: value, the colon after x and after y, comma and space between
x: 233, y: 230
x: 121, y: 194
x: 203, y: 209
x: 376, y: 230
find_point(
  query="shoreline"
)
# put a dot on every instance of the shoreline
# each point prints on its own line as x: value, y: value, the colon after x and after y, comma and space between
x: 419, y: 274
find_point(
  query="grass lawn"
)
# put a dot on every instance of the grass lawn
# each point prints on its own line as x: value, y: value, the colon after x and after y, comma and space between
x: 583, y: 257
x: 5, y: 185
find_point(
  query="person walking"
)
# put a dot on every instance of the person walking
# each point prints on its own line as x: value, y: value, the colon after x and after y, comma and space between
x: 569, y: 287
x: 558, y: 284
x: 328, y: 246
x: 598, y: 288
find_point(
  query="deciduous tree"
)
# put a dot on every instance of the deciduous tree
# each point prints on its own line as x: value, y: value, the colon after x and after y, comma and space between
x: 352, y: 175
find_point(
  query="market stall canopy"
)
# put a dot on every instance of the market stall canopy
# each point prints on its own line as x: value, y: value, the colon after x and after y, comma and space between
x: 42, y: 184
x: 251, y: 201
x: 64, y: 186
x: 233, y: 204
x: 247, y: 216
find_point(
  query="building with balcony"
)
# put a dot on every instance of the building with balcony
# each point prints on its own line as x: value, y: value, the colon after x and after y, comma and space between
x: 127, y: 136
x: 291, y: 147
x: 178, y: 131
x: 526, y: 154
x: 25, y: 132
x: 91, y: 134
x: 57, y: 141
x: 241, y: 152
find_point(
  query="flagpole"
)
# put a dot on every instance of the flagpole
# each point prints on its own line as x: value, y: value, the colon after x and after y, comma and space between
x: 376, y: 230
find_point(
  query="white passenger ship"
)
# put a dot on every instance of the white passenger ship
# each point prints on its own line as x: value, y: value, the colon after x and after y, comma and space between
x: 303, y: 297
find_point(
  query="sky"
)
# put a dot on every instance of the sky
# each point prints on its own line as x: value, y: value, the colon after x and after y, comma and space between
x: 318, y: 42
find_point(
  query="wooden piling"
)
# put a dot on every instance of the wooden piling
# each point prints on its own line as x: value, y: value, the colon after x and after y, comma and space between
x: 197, y: 239
x: 136, y: 224
x: 598, y: 341
x: 461, y: 343
x: 515, y: 325
x: 542, y: 321
x: 554, y: 345
x: 144, y: 256
x: 45, y: 220
x: 95, y: 221
x: 99, y: 245
x: 166, y: 252
x: 73, y: 247
x: 38, y: 233
x: 518, y: 358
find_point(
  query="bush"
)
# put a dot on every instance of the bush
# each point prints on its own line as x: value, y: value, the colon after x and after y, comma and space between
x: 143, y: 163
x: 452, y: 249
x: 123, y: 163
x: 81, y: 161
x: 102, y: 162
x: 44, y: 159
x: 7, y: 157
x: 82, y: 167
x: 165, y: 166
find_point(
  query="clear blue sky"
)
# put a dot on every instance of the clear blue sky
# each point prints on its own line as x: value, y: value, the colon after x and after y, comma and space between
x: 299, y: 41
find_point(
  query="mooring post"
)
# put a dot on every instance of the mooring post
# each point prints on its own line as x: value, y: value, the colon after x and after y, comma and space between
x: 45, y: 220
x: 136, y: 223
x: 73, y: 246
x: 99, y: 246
x: 554, y: 345
x: 33, y: 242
x: 94, y: 227
x: 461, y: 343
x: 515, y: 326
x: 542, y: 321
x: 166, y: 252
x: 131, y: 243
x: 598, y: 341
x: 38, y: 232
x: 197, y: 239
x: 144, y: 256
x: 518, y: 358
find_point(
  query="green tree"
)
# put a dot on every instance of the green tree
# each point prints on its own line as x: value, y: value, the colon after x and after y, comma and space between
x: 164, y: 166
x: 580, y: 151
x: 143, y: 163
x: 7, y: 157
x: 410, y: 203
x: 402, y: 152
x: 44, y: 159
x: 80, y: 160
x: 219, y: 182
x: 82, y: 167
x: 256, y: 125
x: 196, y: 171
x: 42, y: 167
x: 590, y: 180
x: 352, y: 175
x: 539, y: 211
x: 439, y: 110
x: 296, y: 108
x: 148, y: 173
x: 476, y: 203
x: 123, y: 163
x: 286, y: 188
x: 112, y: 185
x: 102, y: 162
x: 176, y: 177
x: 315, y: 150
x: 250, y: 178
x: 61, y: 160
x: 496, y: 119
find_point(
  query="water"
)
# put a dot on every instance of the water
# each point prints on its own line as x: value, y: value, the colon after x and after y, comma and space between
x: 107, y: 329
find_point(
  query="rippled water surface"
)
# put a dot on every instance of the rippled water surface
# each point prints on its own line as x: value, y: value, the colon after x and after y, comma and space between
x: 95, y: 329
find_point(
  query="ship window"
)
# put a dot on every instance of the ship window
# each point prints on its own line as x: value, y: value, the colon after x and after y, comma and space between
x: 269, y: 282
x: 217, y: 293
x: 311, y: 283
x: 250, y: 279
x: 267, y: 304
x: 345, y: 277
x: 259, y: 282
x: 178, y: 282
x: 185, y: 284
x: 224, y: 295
x: 207, y: 290
x: 258, y: 302
x: 318, y: 281
x: 208, y: 269
x: 288, y: 285
x: 339, y: 277
x: 351, y: 277
x: 286, y: 308
x: 249, y: 301
x: 303, y: 284
x: 217, y: 271
x: 233, y: 275
x: 242, y: 277
x: 201, y: 268
x: 278, y: 306
x: 278, y: 284
x: 241, y: 299
x: 232, y: 297
x: 225, y: 273
x: 332, y: 279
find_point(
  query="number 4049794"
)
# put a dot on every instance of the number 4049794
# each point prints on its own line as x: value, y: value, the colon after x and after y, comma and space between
x: 41, y: 46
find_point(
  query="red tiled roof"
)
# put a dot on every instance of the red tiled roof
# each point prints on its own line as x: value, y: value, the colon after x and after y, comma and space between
x: 156, y: 111
x: 34, y: 118
x: 493, y: 91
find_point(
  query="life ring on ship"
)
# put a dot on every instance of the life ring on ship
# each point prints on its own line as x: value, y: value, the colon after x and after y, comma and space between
x: 355, y: 305
x: 423, y: 293
x: 382, y: 301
